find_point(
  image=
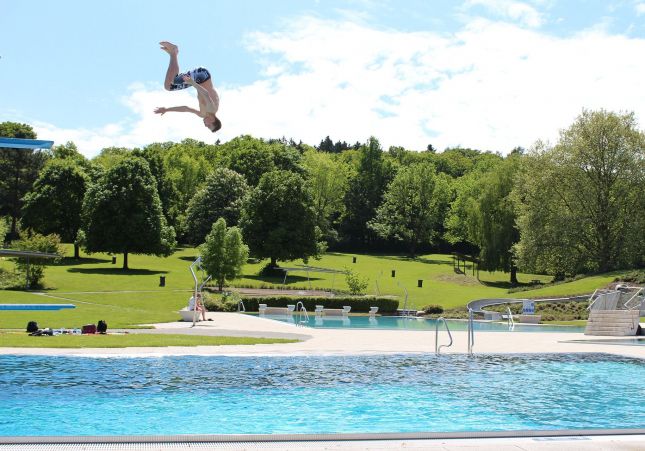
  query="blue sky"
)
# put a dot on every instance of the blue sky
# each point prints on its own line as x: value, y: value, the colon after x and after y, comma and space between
x: 491, y: 74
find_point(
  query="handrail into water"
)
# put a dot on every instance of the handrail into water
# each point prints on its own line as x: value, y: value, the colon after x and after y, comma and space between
x: 240, y: 306
x: 406, y: 313
x: 302, y: 313
x: 592, y: 301
x: 640, y: 293
x: 471, y: 332
x: 437, y: 348
x: 511, y: 323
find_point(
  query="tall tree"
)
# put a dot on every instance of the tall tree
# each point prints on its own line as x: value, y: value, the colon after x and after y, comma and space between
x: 278, y: 220
x: 224, y: 253
x: 251, y: 157
x: 365, y: 193
x: 581, y: 203
x: 55, y: 202
x: 221, y: 197
x: 328, y: 180
x: 413, y: 207
x: 18, y: 170
x: 122, y: 213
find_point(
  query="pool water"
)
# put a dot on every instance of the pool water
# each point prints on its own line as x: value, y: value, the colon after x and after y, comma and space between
x: 412, y: 323
x: 259, y: 395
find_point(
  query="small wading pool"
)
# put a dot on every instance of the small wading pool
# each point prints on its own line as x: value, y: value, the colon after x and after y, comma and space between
x: 65, y: 396
x: 411, y: 323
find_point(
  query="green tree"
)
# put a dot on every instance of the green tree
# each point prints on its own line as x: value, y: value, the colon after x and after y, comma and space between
x: 413, y: 207
x: 251, y: 157
x: 365, y: 193
x: 18, y: 170
x: 122, y: 213
x: 278, y: 220
x: 34, y: 268
x: 328, y: 180
x: 582, y: 203
x: 221, y: 197
x: 224, y: 253
x: 55, y: 202
x: 4, y: 228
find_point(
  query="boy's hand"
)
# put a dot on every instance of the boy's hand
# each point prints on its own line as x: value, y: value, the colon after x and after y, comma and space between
x: 161, y: 110
x: 189, y: 80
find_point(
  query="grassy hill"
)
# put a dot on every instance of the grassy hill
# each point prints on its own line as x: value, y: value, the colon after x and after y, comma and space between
x: 102, y: 290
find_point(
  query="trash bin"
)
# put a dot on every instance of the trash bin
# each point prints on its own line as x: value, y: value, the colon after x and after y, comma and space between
x: 419, y: 283
x: 353, y: 259
x: 114, y: 259
x: 393, y: 273
x: 162, y: 281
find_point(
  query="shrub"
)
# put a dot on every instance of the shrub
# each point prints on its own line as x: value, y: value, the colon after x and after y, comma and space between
x: 226, y: 302
x: 432, y: 309
x: 356, y: 283
x: 38, y: 243
x: 358, y: 304
x: 636, y: 276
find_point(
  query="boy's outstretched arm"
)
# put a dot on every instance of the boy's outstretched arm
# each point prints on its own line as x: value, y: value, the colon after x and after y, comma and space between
x: 178, y: 109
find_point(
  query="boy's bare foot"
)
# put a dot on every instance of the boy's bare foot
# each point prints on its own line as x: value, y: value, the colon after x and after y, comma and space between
x: 169, y: 47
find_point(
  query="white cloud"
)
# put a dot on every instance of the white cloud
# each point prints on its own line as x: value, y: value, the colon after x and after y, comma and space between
x: 510, y: 9
x: 640, y: 8
x: 489, y: 86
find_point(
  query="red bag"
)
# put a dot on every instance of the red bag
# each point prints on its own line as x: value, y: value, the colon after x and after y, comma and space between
x: 88, y: 329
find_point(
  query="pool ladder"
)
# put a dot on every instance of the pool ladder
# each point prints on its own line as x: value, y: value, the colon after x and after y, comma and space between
x: 511, y: 323
x: 471, y: 331
x: 437, y: 348
x: 303, y: 316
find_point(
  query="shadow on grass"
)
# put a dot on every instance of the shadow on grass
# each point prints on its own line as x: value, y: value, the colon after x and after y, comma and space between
x: 117, y: 271
x: 404, y: 258
x: 501, y: 284
x: 71, y: 261
x: 188, y: 259
x: 291, y: 279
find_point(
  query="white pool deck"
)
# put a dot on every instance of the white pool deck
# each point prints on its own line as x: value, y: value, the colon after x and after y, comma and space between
x: 344, y: 341
x: 355, y: 342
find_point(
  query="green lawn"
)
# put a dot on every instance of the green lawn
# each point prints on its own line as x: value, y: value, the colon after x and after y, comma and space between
x: 22, y: 340
x: 101, y: 290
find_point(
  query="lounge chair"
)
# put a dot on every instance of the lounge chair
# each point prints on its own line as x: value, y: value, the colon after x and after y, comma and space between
x: 373, y: 311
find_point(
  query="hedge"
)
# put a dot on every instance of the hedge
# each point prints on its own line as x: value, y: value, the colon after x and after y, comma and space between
x: 358, y: 304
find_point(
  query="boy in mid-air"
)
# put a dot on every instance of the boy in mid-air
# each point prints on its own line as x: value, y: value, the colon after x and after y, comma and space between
x: 198, y: 78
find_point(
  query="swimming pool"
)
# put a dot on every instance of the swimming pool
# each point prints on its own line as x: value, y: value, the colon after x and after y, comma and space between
x: 66, y: 396
x: 411, y: 323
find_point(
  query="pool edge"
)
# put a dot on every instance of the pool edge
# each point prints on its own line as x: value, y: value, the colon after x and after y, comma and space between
x: 235, y: 438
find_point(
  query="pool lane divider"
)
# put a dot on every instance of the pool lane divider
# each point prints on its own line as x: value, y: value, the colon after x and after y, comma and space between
x: 237, y: 438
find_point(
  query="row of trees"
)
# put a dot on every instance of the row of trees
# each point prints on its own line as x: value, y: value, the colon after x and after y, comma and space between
x: 577, y: 206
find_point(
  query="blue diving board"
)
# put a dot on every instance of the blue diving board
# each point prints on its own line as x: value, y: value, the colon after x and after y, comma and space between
x: 35, y: 306
x: 33, y: 144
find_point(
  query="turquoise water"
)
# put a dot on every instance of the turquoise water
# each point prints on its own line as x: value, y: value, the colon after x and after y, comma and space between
x: 255, y: 395
x: 399, y: 322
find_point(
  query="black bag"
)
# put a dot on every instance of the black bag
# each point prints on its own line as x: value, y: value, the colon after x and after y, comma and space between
x: 32, y: 326
x: 101, y: 327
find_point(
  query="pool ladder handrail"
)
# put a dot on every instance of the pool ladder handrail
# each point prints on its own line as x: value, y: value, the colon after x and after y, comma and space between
x: 240, y: 306
x: 303, y: 316
x: 511, y: 323
x: 471, y: 331
x: 437, y: 348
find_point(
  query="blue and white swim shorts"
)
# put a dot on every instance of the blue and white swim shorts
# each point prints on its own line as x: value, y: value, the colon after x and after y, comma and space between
x: 200, y: 75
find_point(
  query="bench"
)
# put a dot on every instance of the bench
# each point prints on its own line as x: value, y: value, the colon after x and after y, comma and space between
x: 337, y: 311
x: 285, y: 311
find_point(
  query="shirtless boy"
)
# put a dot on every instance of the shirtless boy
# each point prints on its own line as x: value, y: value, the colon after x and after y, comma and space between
x: 198, y: 78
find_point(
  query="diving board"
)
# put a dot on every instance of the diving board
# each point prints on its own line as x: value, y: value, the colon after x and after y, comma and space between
x: 36, y: 306
x: 32, y: 144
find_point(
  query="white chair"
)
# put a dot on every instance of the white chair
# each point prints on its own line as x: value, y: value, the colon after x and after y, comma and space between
x: 346, y: 309
x: 373, y: 311
x: 291, y: 307
x: 319, y: 309
x: 262, y: 308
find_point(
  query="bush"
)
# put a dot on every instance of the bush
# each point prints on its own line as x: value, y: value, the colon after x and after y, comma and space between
x: 358, y: 304
x: 356, y: 283
x: 226, y: 302
x: 432, y: 309
x: 636, y: 276
x: 40, y: 243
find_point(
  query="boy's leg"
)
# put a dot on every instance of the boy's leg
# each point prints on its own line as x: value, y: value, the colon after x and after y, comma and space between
x: 173, y: 64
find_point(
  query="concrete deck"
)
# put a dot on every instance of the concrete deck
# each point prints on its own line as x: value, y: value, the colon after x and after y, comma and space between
x: 343, y: 341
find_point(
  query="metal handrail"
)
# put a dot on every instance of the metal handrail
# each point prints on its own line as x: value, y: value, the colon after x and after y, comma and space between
x: 406, y: 312
x: 511, y: 323
x: 240, y: 306
x: 437, y: 348
x: 471, y: 332
x: 302, y: 312
x: 638, y: 294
